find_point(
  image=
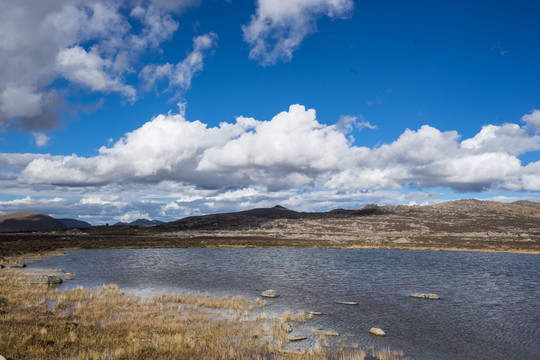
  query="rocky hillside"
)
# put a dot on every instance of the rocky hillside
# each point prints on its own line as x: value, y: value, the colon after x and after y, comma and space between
x: 454, y: 224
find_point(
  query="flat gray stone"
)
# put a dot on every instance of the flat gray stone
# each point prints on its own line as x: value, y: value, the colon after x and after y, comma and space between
x: 377, y: 332
x: 46, y: 279
x: 425, y: 296
x: 347, y: 303
x: 18, y: 264
x: 270, y: 293
x: 296, y: 337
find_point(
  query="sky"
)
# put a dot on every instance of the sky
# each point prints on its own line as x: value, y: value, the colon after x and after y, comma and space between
x: 118, y: 110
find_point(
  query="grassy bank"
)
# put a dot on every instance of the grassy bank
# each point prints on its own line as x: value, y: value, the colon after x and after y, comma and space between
x: 40, y: 322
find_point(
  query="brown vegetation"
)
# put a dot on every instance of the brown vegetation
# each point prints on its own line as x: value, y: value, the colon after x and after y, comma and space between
x: 40, y: 322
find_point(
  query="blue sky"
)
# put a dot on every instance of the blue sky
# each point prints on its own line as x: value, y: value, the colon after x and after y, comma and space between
x: 116, y: 110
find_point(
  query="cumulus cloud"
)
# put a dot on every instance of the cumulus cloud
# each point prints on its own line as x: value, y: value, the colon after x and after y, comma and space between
x: 179, y: 75
x: 92, y: 44
x: 294, y: 150
x: 171, y: 167
x: 277, y: 28
x: 532, y: 121
x: 90, y: 70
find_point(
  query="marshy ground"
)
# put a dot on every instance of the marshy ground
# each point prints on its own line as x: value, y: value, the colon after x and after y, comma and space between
x: 41, y: 322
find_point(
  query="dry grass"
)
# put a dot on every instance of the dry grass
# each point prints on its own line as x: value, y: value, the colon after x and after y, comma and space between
x: 39, y: 322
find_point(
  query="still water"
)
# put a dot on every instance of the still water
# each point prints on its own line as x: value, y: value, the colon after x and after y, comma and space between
x: 489, y: 307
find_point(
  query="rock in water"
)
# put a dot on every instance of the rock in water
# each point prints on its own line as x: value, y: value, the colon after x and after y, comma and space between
x: 330, y: 333
x: 270, y: 293
x: 18, y: 264
x: 69, y: 276
x: 347, y: 302
x: 46, y: 279
x: 377, y: 331
x: 296, y: 337
x: 425, y: 296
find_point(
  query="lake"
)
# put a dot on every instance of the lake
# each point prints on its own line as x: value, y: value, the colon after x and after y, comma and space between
x: 489, y: 307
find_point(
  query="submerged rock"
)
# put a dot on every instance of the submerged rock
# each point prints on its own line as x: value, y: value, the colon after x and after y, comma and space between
x: 425, y: 296
x: 347, y: 302
x: 377, y: 332
x: 270, y: 293
x: 46, y: 279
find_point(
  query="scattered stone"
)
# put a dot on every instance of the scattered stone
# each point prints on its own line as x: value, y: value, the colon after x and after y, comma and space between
x: 425, y: 296
x: 69, y: 276
x: 402, y: 240
x: 18, y: 264
x: 46, y: 279
x: 286, y: 327
x: 347, y: 302
x: 270, y: 293
x: 377, y: 331
x: 2, y: 358
x: 330, y: 333
x: 314, y: 313
x: 296, y: 337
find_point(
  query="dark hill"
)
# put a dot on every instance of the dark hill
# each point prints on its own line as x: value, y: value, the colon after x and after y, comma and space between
x: 74, y: 224
x: 28, y: 221
x: 140, y: 222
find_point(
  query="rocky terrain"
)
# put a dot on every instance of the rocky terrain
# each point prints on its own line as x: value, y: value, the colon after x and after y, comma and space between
x: 461, y: 225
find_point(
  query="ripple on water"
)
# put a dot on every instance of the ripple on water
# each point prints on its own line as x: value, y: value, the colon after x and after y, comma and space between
x: 488, y: 308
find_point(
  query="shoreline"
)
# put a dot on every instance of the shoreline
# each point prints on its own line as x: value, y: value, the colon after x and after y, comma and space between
x: 40, y: 321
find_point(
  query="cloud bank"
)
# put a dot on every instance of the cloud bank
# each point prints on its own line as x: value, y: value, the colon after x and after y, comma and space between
x: 294, y: 150
x: 172, y: 167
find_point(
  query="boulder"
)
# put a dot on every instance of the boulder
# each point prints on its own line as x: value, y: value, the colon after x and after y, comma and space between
x: 377, y: 332
x: 425, y: 296
x: 270, y: 293
x: 46, y: 279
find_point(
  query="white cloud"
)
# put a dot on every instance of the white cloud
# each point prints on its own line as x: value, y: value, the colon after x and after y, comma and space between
x: 89, y: 69
x: 180, y: 75
x: 278, y: 27
x: 532, y: 121
x: 508, y: 138
x: 41, y: 139
x: 94, y: 44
